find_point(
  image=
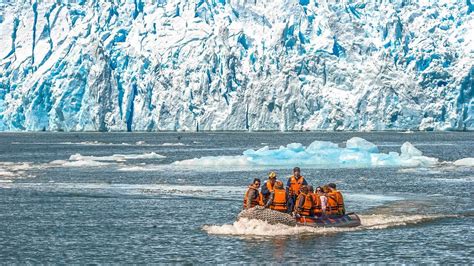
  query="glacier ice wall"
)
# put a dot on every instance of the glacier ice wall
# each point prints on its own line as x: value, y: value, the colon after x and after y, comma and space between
x: 236, y: 65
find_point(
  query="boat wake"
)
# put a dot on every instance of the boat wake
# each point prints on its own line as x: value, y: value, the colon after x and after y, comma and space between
x: 257, y: 228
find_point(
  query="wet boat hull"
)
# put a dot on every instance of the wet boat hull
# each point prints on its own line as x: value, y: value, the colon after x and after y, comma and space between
x: 347, y: 220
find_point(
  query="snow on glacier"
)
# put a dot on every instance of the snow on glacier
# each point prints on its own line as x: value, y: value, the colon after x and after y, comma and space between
x: 358, y: 153
x: 236, y: 65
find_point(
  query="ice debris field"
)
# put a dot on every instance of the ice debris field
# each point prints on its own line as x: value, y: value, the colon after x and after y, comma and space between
x: 357, y: 153
x: 236, y: 65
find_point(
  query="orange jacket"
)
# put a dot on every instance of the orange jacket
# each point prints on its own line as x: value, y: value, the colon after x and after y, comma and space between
x: 331, y: 208
x: 294, y: 184
x: 267, y: 189
x: 317, y: 205
x: 304, y: 204
x: 256, y: 200
x: 340, y: 201
x: 279, y: 202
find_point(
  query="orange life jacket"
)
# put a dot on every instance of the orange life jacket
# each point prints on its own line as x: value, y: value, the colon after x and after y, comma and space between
x: 340, y: 202
x: 256, y: 201
x: 317, y: 210
x: 295, y: 185
x: 305, y: 210
x: 331, y: 208
x: 279, y: 200
x: 270, y: 189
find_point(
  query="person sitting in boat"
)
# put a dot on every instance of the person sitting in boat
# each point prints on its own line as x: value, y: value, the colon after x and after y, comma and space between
x: 333, y: 193
x: 331, y: 207
x: 294, y: 185
x: 304, y: 203
x: 267, y: 187
x: 278, y: 200
x: 311, y: 194
x: 253, y: 197
x: 319, y: 199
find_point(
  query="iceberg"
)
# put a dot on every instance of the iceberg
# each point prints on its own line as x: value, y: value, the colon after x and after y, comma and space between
x: 189, y: 65
x: 358, y: 153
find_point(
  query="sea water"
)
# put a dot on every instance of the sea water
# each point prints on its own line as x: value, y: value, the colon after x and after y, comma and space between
x: 135, y: 198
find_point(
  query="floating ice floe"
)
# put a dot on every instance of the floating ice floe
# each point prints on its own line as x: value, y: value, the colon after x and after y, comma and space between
x: 117, y: 157
x: 6, y: 173
x: 12, y: 170
x: 78, y: 160
x: 78, y: 163
x: 465, y: 162
x: 173, y: 144
x: 358, y: 153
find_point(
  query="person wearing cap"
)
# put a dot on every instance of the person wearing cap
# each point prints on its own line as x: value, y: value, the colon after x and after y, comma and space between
x: 267, y: 187
x: 294, y: 184
x: 278, y: 200
x: 304, y: 202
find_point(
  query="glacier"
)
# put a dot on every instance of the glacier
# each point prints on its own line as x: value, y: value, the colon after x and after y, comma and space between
x: 187, y: 65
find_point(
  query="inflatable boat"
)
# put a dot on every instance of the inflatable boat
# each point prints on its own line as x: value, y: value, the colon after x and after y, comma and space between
x: 275, y: 217
x: 347, y: 220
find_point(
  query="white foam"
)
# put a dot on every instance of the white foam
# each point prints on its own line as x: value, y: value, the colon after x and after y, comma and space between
x: 370, y: 197
x: 382, y: 221
x: 465, y: 162
x: 245, y: 227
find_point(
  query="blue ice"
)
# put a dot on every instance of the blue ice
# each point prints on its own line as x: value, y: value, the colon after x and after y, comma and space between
x: 357, y: 153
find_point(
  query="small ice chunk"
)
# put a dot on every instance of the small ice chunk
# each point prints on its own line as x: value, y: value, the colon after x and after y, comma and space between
x: 77, y: 163
x: 4, y: 172
x: 116, y: 157
x: 263, y: 149
x: 219, y: 161
x: 295, y: 147
x: 360, y: 144
x: 173, y: 144
x: 465, y: 162
x: 321, y: 145
x: 408, y: 150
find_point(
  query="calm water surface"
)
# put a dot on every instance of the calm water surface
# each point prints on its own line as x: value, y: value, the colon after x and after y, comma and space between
x: 144, y: 210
